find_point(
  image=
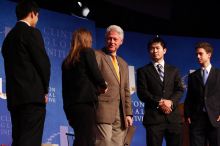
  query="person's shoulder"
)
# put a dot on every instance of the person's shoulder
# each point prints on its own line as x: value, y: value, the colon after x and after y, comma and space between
x: 170, y: 66
x: 194, y: 73
x: 21, y: 24
x: 122, y: 61
x: 216, y: 69
x: 99, y: 53
x: 145, y: 67
x: 87, y: 50
x: 24, y: 26
x: 19, y: 28
x: 87, y: 53
x: 35, y: 30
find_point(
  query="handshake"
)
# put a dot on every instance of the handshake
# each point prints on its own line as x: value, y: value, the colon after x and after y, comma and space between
x: 166, y: 106
x: 103, y: 89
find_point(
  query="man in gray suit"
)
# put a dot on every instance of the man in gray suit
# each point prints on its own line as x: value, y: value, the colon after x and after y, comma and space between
x: 114, y: 112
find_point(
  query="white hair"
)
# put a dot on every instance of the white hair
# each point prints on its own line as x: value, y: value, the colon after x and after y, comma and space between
x: 117, y: 29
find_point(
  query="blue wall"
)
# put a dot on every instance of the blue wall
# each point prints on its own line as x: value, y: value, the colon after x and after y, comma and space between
x: 57, y: 30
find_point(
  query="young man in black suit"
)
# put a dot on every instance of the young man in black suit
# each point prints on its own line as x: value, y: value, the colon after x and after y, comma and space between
x: 159, y: 87
x: 27, y: 70
x: 202, y: 104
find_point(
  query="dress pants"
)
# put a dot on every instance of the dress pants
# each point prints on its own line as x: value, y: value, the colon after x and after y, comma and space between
x: 172, y: 132
x: 82, y: 120
x: 111, y: 134
x: 203, y: 133
x: 27, y: 124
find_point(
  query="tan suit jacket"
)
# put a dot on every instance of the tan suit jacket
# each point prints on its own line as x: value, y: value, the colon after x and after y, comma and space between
x: 108, y: 103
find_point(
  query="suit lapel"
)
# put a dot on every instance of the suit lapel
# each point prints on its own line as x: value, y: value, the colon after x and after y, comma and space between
x: 109, y: 62
x: 199, y: 77
x: 211, y: 76
x: 166, y: 74
x: 121, y: 70
x: 211, y: 81
x: 155, y: 74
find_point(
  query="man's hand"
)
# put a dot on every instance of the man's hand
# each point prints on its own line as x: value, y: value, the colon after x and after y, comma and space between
x: 165, y: 106
x: 188, y: 121
x: 46, y: 98
x: 168, y: 103
x: 129, y: 121
x: 218, y: 119
x: 102, y: 90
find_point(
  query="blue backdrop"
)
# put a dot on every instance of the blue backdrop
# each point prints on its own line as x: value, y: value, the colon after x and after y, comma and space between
x: 57, y: 30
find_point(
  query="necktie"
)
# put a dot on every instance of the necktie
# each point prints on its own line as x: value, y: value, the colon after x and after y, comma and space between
x: 160, y: 71
x: 205, y: 76
x: 115, y: 64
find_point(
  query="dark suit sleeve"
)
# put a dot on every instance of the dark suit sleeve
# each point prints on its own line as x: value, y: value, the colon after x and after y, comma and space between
x: 178, y: 89
x: 94, y: 71
x: 39, y: 57
x: 142, y: 89
x: 188, y: 102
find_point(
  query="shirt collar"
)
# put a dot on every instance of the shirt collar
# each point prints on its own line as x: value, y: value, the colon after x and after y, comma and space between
x: 161, y: 62
x: 25, y: 22
x: 208, y: 68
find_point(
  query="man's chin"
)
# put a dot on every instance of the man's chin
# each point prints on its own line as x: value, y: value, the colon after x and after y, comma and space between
x: 111, y: 50
x: 200, y: 62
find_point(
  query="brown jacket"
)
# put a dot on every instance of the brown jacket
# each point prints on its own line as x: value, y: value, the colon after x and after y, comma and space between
x: 109, y: 102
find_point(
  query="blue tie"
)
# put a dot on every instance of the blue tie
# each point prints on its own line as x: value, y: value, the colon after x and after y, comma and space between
x: 160, y: 71
x: 205, y: 76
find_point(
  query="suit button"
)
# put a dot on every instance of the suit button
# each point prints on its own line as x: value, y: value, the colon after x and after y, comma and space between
x: 205, y: 98
x: 163, y: 91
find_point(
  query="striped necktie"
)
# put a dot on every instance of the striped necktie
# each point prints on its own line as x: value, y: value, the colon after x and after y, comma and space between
x: 160, y: 71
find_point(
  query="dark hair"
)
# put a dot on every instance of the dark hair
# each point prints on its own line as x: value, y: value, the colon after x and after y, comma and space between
x: 206, y: 46
x: 156, y: 40
x: 24, y: 7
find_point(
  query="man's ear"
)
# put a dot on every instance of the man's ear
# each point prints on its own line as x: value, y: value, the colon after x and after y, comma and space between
x: 122, y: 41
x: 32, y: 14
x: 164, y: 50
x: 210, y: 55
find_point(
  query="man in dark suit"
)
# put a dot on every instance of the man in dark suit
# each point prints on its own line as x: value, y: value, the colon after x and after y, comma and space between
x: 27, y: 70
x: 159, y: 87
x: 202, y: 104
x: 114, y: 113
